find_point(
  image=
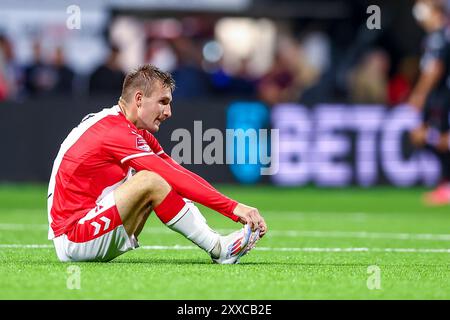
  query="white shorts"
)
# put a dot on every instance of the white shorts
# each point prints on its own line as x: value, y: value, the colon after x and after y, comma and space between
x: 98, y: 236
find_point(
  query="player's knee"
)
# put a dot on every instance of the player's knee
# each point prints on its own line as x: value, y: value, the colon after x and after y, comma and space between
x: 153, y: 183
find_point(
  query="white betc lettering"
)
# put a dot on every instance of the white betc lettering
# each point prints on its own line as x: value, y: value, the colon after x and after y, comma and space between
x: 294, y: 144
x: 315, y: 146
x: 398, y: 169
x: 366, y: 121
x: 332, y: 144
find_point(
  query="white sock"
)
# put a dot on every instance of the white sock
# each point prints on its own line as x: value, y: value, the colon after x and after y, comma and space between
x: 192, y: 224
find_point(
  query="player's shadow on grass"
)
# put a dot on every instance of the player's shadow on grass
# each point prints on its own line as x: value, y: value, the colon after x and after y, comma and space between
x: 163, y: 261
x: 203, y: 261
x: 304, y: 264
x: 190, y: 261
x: 187, y: 261
x: 243, y: 264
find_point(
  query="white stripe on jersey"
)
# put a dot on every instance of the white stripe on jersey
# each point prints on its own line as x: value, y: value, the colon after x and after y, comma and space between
x: 71, y: 139
x: 137, y: 155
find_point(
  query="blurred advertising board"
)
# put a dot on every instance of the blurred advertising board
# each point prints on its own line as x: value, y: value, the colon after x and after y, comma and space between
x: 229, y: 141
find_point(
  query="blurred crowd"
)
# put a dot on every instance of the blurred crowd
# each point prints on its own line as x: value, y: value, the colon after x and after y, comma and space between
x: 51, y: 75
x: 301, y: 70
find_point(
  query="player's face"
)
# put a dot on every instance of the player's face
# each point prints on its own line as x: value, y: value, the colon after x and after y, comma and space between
x: 155, y: 109
x: 424, y: 14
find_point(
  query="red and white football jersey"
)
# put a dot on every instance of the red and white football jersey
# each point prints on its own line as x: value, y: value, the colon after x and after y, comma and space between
x: 100, y: 154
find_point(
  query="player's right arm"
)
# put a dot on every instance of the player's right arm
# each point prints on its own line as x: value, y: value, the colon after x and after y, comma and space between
x: 251, y: 216
x: 429, y: 77
x: 245, y: 213
x: 193, y: 189
x: 432, y: 67
x: 158, y: 150
x: 128, y: 147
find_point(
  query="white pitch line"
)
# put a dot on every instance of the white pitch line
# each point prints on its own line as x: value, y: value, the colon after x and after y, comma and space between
x: 280, y: 233
x: 361, y: 234
x: 26, y: 246
x: 22, y: 226
x: 306, y: 249
x: 399, y: 250
x: 335, y: 234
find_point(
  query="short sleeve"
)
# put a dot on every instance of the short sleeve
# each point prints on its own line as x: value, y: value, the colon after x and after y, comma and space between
x: 124, y: 143
x: 436, y: 49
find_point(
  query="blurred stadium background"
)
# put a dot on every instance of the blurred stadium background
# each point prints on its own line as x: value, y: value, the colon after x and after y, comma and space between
x: 334, y: 88
x: 312, y: 69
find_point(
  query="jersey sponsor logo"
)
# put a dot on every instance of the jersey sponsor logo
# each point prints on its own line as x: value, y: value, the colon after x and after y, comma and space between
x: 141, y: 144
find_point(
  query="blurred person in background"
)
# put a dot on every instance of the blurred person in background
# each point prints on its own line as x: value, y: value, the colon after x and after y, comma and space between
x: 9, y: 71
x: 313, y: 61
x: 369, y: 80
x: 401, y: 84
x: 64, y: 76
x: 188, y: 73
x: 283, y: 81
x: 274, y: 87
x: 4, y: 87
x: 431, y: 95
x: 108, y: 77
x: 39, y: 77
x: 242, y: 83
x: 160, y: 53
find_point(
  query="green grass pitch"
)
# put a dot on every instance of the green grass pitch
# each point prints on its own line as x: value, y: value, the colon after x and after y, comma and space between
x: 321, y: 244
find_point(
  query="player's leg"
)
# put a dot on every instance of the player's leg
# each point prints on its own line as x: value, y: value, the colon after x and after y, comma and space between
x: 445, y: 140
x: 143, y: 219
x: 134, y: 197
x: 446, y: 166
x: 418, y: 135
x: 108, y: 230
x: 222, y: 249
x: 146, y: 188
x: 439, y: 127
x: 97, y: 236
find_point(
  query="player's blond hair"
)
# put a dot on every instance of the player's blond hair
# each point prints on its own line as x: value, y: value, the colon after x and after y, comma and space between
x: 144, y: 78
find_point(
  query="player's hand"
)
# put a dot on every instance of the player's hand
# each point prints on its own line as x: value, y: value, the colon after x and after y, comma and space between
x: 417, y: 101
x: 418, y: 136
x: 443, y: 143
x: 251, y: 216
